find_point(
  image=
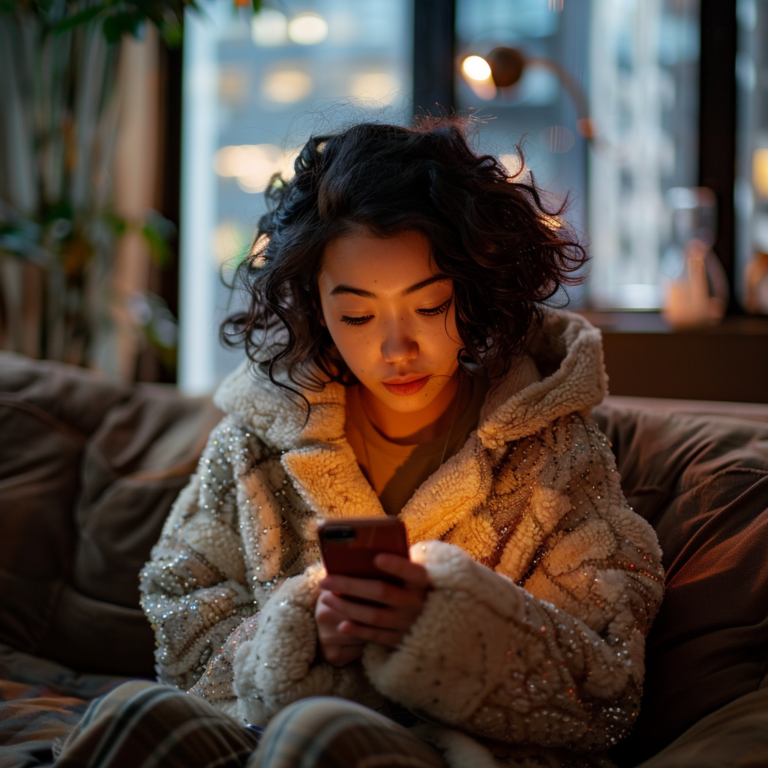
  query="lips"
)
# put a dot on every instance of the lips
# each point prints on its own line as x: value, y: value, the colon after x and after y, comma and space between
x: 409, y: 386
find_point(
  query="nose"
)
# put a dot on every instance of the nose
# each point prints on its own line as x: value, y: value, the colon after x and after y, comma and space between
x: 398, y: 345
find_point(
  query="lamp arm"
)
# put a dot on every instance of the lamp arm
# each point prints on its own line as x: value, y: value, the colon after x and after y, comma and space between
x: 584, y: 125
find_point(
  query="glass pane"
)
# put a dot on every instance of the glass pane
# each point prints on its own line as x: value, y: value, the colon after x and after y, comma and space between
x: 752, y: 165
x: 631, y: 66
x: 537, y: 111
x: 644, y: 71
x: 255, y: 89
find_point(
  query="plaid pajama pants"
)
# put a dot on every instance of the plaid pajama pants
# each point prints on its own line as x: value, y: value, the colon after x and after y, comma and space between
x: 147, y: 725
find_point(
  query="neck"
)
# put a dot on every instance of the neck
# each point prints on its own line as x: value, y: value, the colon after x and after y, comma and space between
x: 421, y: 426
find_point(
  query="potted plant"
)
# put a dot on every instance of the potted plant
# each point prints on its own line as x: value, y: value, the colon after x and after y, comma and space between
x: 58, y: 124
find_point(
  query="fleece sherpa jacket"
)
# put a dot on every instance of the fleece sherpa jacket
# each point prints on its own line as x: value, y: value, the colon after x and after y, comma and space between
x: 545, y: 583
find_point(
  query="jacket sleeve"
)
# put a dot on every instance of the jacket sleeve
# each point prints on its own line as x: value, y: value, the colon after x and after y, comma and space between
x: 215, y: 586
x: 545, y: 646
x: 282, y: 664
x: 195, y: 589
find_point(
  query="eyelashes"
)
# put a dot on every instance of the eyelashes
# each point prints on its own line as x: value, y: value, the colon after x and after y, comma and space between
x: 436, y: 310
x: 428, y: 312
x: 355, y: 320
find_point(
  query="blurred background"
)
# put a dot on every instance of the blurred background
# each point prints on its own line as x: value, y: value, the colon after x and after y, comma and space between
x: 137, y: 138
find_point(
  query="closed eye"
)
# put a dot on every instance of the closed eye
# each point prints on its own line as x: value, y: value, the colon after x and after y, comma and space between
x: 436, y: 310
x: 428, y: 312
x: 355, y: 320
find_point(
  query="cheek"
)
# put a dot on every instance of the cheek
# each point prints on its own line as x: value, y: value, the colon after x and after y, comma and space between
x: 353, y: 346
x: 447, y: 339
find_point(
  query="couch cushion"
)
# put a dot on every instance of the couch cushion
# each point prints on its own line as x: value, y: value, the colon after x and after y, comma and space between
x: 703, y: 484
x: 132, y: 470
x: 47, y: 412
x: 735, y: 736
x: 88, y: 472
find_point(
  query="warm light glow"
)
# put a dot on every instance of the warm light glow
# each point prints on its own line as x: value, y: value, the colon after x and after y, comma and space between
x: 227, y: 160
x: 257, y: 251
x: 378, y: 87
x: 287, y: 86
x: 553, y: 222
x: 254, y: 164
x: 308, y: 29
x: 515, y: 168
x: 760, y: 171
x: 476, y: 68
x: 269, y: 27
x: 289, y: 158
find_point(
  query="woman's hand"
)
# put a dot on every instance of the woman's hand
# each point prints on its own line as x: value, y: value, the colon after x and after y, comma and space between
x: 344, y: 626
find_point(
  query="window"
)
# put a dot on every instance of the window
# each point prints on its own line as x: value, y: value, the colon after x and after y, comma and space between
x: 255, y: 89
x: 637, y: 65
x: 752, y: 167
x: 644, y: 74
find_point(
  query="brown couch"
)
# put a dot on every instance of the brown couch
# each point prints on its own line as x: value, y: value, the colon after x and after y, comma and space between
x: 89, y: 469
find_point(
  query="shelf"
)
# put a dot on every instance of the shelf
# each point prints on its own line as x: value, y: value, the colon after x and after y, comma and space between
x: 645, y: 358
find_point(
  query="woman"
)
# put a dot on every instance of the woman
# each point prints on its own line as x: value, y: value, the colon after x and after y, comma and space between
x: 403, y: 363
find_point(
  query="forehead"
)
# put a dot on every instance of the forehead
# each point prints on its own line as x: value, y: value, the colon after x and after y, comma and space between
x: 379, y: 265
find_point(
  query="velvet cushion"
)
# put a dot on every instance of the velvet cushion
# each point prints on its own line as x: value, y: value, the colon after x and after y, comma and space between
x: 703, y: 484
x: 735, y: 736
x: 88, y: 472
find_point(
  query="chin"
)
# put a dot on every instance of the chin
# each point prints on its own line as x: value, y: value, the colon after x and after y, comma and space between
x: 413, y: 404
x: 407, y: 403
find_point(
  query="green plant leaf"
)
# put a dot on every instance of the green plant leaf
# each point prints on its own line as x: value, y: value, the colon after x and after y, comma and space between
x: 117, y: 225
x: 22, y: 241
x: 159, y: 328
x: 124, y: 23
x: 14, y: 243
x: 158, y: 248
x: 173, y: 34
x: 158, y: 233
x: 61, y: 209
x: 83, y: 17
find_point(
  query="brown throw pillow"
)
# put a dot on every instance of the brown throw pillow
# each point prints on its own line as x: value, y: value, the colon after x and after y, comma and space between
x: 88, y: 472
x: 703, y: 485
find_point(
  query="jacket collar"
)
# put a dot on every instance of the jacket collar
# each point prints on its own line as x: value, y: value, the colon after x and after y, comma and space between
x: 568, y: 352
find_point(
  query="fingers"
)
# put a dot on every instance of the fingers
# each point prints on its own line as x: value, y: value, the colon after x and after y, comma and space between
x: 389, y: 637
x: 413, y: 575
x: 329, y: 621
x: 374, y: 590
x: 337, y: 647
x: 373, y: 616
x: 345, y: 624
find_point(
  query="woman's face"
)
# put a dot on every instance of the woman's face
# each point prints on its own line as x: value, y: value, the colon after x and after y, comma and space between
x: 391, y: 315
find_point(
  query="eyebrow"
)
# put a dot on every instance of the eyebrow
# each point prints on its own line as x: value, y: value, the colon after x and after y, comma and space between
x: 339, y: 289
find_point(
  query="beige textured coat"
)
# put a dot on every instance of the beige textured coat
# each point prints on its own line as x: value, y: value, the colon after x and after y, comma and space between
x: 545, y: 582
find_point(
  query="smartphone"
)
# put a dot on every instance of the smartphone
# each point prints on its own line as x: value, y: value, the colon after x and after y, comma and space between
x: 349, y: 546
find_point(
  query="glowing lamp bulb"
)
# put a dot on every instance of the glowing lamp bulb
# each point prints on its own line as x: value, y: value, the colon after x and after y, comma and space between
x: 476, y: 68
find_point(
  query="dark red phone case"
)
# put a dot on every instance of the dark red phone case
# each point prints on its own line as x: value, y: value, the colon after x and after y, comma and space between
x: 350, y: 545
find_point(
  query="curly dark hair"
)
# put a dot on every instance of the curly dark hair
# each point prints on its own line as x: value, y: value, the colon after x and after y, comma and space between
x: 491, y: 232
